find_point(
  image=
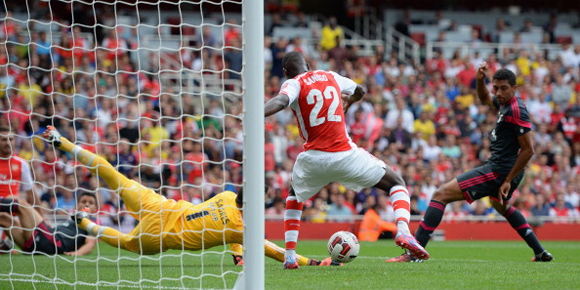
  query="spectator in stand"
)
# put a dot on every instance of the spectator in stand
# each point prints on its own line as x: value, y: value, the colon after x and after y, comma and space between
x: 452, y: 26
x: 317, y: 212
x: 206, y: 39
x: 8, y: 29
x: 437, y: 63
x: 277, y: 208
x: 276, y: 22
x: 542, y: 206
x: 567, y: 56
x: 331, y: 35
x: 527, y: 26
x: 402, y: 26
x: 519, y: 204
x: 278, y: 51
x: 500, y: 27
x: 338, y: 210
x: 431, y: 150
x: 540, y: 108
x: 339, y: 54
x: 575, y: 155
x: 301, y: 20
x: 401, y: 111
x: 233, y: 59
x: 480, y: 208
x: 400, y: 137
x: 465, y: 99
x: 66, y: 200
x: 425, y: 125
x: 572, y: 195
x: 561, y: 92
x: 232, y: 33
x: 450, y: 147
x: 268, y: 57
x: 115, y: 44
x: 296, y: 44
x: 561, y: 209
x: 550, y: 27
x: 125, y: 160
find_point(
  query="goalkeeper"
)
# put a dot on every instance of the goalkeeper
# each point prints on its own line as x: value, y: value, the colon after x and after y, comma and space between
x: 166, y: 223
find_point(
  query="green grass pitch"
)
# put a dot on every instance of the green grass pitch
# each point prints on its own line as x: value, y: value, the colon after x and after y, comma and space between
x: 453, y: 265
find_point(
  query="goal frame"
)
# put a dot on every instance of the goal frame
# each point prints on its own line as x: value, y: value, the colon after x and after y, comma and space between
x: 253, y: 123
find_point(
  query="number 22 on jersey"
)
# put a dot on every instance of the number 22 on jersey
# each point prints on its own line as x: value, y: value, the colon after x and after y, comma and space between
x: 317, y: 98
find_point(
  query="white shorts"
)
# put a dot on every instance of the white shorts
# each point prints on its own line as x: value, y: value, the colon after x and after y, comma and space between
x: 355, y: 169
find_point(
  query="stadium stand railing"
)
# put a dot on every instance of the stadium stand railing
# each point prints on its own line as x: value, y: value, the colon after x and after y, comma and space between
x: 407, y: 49
x: 485, y: 49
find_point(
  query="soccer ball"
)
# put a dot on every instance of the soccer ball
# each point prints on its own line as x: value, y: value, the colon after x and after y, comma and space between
x: 343, y: 247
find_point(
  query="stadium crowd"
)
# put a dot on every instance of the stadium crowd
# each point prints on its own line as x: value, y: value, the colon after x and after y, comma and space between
x: 422, y: 119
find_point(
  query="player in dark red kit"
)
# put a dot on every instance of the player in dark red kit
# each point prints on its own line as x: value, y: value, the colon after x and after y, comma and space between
x: 511, y: 149
x: 316, y: 98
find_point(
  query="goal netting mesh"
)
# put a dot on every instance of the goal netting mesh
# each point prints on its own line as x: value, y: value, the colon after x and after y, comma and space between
x: 154, y: 87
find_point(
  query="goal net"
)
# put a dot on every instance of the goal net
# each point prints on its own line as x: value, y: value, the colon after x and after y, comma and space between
x: 153, y: 87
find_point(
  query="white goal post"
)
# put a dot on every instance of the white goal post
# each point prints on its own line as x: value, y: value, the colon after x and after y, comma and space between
x: 253, y: 81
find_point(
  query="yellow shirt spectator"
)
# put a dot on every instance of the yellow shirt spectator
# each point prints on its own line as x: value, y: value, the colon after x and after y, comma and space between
x: 424, y: 125
x: 329, y: 34
x: 524, y: 64
x: 465, y: 100
x: 32, y: 93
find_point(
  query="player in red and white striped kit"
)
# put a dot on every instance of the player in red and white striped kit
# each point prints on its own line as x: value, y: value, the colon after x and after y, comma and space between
x: 15, y: 177
x: 316, y: 99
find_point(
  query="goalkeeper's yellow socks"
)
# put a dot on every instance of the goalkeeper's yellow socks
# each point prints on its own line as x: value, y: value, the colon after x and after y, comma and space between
x: 105, y: 234
x: 95, y: 163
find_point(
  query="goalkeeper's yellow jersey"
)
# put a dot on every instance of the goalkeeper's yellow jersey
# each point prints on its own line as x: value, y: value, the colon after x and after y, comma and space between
x: 214, y: 222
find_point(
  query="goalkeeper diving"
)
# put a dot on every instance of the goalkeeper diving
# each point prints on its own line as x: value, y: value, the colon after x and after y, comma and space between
x: 165, y: 223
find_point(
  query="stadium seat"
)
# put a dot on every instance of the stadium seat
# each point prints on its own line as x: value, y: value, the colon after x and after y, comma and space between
x: 418, y: 37
x: 564, y: 39
x: 291, y: 32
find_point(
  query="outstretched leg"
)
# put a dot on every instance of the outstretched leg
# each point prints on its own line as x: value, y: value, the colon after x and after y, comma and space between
x: 277, y: 253
x: 129, y: 190
x: 105, y: 234
x: 292, y: 216
x: 395, y: 185
x: 520, y: 225
x: 447, y: 193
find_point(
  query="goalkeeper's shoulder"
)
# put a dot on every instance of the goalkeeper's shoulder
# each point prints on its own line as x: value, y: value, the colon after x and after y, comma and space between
x: 227, y: 196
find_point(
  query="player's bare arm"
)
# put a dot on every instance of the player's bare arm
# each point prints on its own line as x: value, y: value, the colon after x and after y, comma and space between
x: 276, y: 104
x: 482, y: 93
x: 526, y: 152
x: 358, y: 94
x: 85, y: 249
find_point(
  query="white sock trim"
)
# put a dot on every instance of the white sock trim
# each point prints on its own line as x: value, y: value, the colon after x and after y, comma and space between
x: 79, y: 152
x: 398, y: 187
x: 292, y: 214
x: 91, y: 227
x: 403, y: 227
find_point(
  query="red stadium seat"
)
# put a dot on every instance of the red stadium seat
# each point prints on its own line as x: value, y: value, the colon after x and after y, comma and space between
x: 419, y: 37
x: 174, y: 21
x: 564, y: 39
